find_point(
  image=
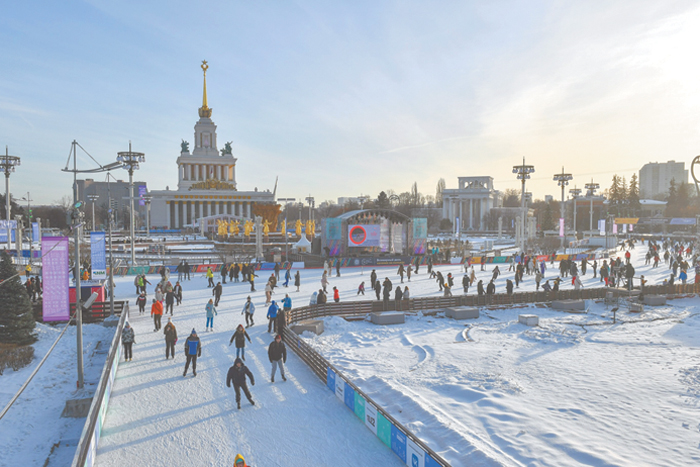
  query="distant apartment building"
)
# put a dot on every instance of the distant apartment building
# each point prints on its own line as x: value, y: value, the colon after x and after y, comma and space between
x: 655, y: 178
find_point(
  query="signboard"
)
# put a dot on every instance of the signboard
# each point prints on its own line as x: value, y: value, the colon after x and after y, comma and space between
x: 415, y: 456
x: 561, y: 226
x: 371, y: 417
x: 142, y: 192
x: 3, y: 231
x: 614, y: 228
x: 330, y: 379
x: 349, y: 397
x: 384, y: 429
x: 682, y: 221
x: 359, y: 406
x: 398, y: 443
x: 457, y: 226
x: 339, y: 388
x: 36, y: 235
x: 626, y: 220
x: 334, y: 229
x: 98, y: 255
x: 420, y: 228
x: 363, y: 235
x: 601, y: 226
x: 56, y: 279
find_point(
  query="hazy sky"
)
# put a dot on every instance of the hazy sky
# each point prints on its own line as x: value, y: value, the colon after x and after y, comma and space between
x: 349, y: 98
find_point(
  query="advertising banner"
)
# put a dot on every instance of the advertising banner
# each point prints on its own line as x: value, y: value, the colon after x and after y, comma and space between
x: 457, y: 226
x: 330, y: 379
x: 98, y: 255
x: 398, y: 443
x: 56, y: 279
x: 363, y: 235
x: 561, y: 226
x: 415, y: 456
x: 397, y: 238
x: 682, y: 221
x: 340, y: 388
x: 359, y: 406
x: 385, y: 236
x: 3, y: 231
x: 349, y: 397
x: 601, y: 226
x: 371, y: 417
x: 420, y: 227
x: 36, y: 235
x: 334, y: 229
x: 384, y: 429
x: 142, y: 192
x: 614, y: 228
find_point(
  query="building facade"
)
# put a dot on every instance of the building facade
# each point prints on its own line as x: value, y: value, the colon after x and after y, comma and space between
x: 206, y: 181
x: 655, y: 178
x: 467, y: 205
x: 119, y: 193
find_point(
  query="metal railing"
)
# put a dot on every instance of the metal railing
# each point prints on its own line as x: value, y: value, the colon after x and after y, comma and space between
x: 90, y: 437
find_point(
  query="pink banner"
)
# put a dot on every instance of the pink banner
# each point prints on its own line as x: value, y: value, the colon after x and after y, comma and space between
x: 56, y: 277
x: 615, y: 228
x: 561, y: 226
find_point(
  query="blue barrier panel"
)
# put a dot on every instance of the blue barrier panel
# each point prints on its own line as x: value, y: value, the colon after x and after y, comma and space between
x: 415, y: 455
x: 330, y: 379
x: 349, y: 397
x: 398, y: 443
x: 430, y: 462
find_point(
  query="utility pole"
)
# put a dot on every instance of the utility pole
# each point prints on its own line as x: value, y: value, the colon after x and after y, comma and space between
x: 147, y: 200
x: 591, y: 187
x: 575, y: 193
x: 562, y: 180
x: 93, y: 198
x: 523, y: 173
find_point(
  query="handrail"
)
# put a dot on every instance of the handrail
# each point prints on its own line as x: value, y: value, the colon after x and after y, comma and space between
x: 89, y: 438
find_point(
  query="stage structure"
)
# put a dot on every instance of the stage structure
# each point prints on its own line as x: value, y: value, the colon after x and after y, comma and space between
x: 206, y: 181
x: 374, y: 232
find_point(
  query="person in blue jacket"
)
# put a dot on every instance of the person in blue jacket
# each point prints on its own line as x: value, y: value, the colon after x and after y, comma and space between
x: 211, y: 311
x: 272, y: 315
x: 287, y: 277
x: 193, y: 349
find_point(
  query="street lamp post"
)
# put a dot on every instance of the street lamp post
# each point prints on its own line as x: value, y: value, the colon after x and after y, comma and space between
x: 92, y: 199
x: 523, y: 173
x: 29, y: 225
x: 7, y: 165
x: 575, y: 193
x: 562, y: 180
x: 286, y: 208
x: 130, y: 161
x: 312, y: 203
x: 591, y: 187
x: 147, y: 200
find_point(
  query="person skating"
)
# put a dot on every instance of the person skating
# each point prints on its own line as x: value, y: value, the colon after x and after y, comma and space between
x: 271, y: 315
x: 277, y: 353
x: 509, y: 286
x: 286, y: 308
x: 141, y: 302
x: 170, y: 339
x: 193, y: 349
x: 169, y: 301
x: 373, y: 279
x: 240, y: 336
x: 480, y: 287
x: 211, y: 311
x: 277, y: 271
x: 248, y: 310
x: 224, y: 273
x: 322, y: 298
x: 210, y: 277
x: 337, y: 267
x: 157, y: 313
x: 187, y: 269
x: 236, y: 375
x: 239, y: 461
x: 377, y: 289
x: 490, y: 288
x: 401, y: 272
x: 216, y: 292
x: 128, y: 341
x: 177, y: 290
x: 361, y: 288
x: 297, y: 280
x: 251, y: 279
x: 287, y: 277
x: 324, y: 282
x: 398, y: 296
x: 336, y: 295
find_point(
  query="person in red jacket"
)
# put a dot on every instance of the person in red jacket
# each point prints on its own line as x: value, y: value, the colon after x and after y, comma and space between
x: 157, y: 313
x: 336, y: 295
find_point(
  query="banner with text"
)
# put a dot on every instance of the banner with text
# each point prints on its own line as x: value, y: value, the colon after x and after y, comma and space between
x: 56, y: 279
x: 98, y: 255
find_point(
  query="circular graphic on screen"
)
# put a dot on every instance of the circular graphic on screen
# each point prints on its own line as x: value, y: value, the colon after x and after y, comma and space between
x: 357, y: 235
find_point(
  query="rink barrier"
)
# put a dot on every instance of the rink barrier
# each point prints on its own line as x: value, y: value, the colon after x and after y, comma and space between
x: 408, y: 447
x: 90, y: 437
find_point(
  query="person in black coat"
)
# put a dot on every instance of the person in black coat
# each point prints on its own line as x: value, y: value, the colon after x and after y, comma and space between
x: 277, y: 353
x: 169, y: 302
x: 465, y: 284
x: 216, y: 292
x: 377, y: 289
x: 236, y: 375
x: 509, y: 287
x: 480, y: 287
x: 491, y: 288
x: 373, y: 279
x: 177, y: 290
x: 240, y: 336
x: 187, y: 269
x: 224, y: 273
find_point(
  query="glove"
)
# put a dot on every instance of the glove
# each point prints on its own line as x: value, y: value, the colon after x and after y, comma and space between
x: 252, y: 383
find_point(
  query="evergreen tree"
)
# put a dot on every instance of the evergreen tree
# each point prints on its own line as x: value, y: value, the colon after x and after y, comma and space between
x: 614, y: 192
x: 383, y: 200
x: 548, y: 218
x: 672, y: 199
x: 16, y: 317
x: 633, y: 194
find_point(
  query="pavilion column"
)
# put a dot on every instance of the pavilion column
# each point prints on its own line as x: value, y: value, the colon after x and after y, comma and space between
x: 248, y: 209
x: 192, y: 215
x: 167, y: 213
x: 201, y: 209
x: 177, y: 215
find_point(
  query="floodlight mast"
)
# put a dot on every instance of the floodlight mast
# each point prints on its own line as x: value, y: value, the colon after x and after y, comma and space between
x: 562, y: 180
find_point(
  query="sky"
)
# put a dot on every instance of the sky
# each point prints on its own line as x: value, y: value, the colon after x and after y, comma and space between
x: 352, y: 98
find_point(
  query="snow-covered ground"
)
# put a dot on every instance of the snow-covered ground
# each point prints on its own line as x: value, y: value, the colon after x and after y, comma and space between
x: 33, y: 424
x: 566, y: 393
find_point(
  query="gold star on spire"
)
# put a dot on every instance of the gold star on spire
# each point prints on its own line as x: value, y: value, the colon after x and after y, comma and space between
x: 205, y: 111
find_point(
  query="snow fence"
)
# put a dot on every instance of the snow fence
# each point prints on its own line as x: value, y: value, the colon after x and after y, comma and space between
x: 90, y: 437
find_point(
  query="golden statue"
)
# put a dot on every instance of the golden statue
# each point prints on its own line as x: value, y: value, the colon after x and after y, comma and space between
x: 247, y: 227
x: 313, y: 229
x: 266, y: 227
x: 233, y: 227
x: 283, y: 227
x: 297, y: 227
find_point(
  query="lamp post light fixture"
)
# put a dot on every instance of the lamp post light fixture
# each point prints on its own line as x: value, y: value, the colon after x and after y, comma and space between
x: 523, y: 173
x: 562, y: 180
x: 130, y: 161
x: 575, y: 193
x: 92, y: 199
x: 287, y: 202
x: 147, y: 201
x: 7, y: 165
x: 312, y: 204
x: 591, y: 187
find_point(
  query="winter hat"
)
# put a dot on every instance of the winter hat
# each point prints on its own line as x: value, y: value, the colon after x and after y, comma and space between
x: 193, y: 331
x: 278, y: 336
x: 238, y: 460
x: 169, y: 319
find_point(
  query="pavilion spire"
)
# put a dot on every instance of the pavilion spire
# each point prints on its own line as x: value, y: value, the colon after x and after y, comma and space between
x: 205, y: 111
